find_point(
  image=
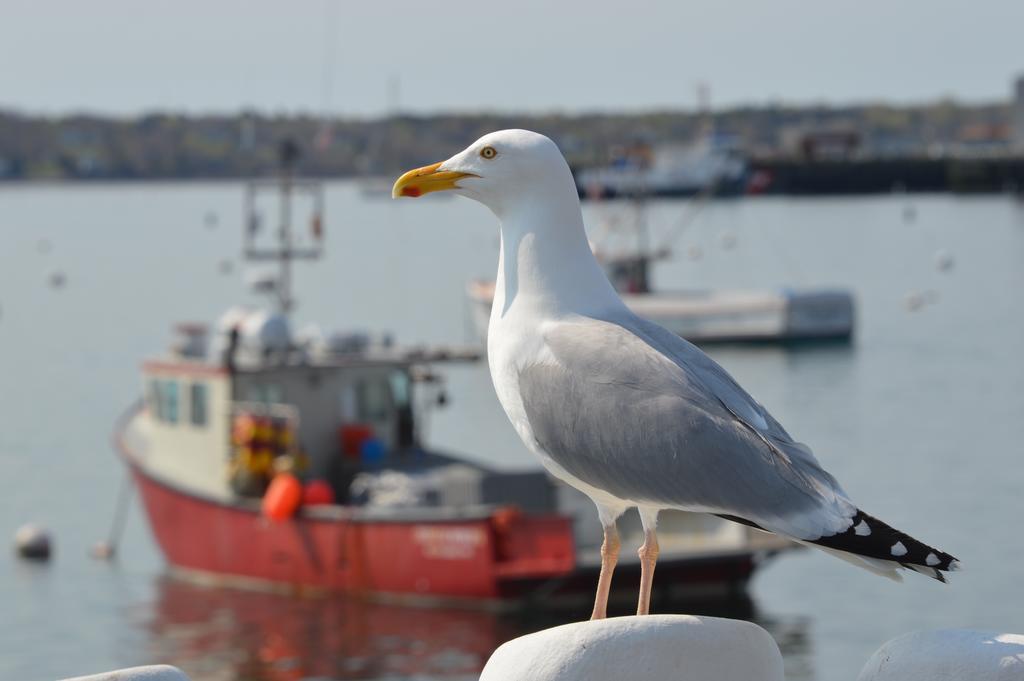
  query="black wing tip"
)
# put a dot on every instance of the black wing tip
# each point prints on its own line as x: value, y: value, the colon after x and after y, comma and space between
x: 875, y: 539
x: 870, y: 537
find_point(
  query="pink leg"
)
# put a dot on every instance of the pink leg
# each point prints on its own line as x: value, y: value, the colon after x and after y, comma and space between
x: 609, y: 557
x: 648, y: 557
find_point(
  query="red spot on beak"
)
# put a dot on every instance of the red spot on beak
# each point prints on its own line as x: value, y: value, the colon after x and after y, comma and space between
x: 411, y: 190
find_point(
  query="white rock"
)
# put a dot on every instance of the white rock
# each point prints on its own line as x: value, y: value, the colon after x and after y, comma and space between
x: 651, y: 648
x: 33, y: 542
x: 948, y: 655
x: 156, y: 672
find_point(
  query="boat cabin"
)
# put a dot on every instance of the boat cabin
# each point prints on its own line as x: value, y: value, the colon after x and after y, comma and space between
x: 223, y: 421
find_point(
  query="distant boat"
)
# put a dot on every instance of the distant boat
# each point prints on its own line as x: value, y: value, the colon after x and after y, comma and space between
x: 713, y: 163
x: 707, y: 316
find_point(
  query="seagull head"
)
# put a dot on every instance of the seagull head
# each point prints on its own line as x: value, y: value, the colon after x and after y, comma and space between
x: 503, y: 170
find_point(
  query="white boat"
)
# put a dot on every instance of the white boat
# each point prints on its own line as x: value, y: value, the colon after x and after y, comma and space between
x: 723, y: 316
x: 713, y: 163
x: 701, y: 316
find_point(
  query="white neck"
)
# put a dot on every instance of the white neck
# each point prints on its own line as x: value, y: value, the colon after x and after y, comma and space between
x: 546, y: 268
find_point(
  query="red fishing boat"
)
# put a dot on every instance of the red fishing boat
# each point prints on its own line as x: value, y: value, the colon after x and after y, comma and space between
x: 272, y: 460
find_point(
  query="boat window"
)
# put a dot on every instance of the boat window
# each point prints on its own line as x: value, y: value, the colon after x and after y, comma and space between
x: 168, y: 401
x: 197, y: 404
x: 401, y: 393
x: 400, y: 389
x: 373, y: 396
x: 349, y: 410
x: 264, y: 393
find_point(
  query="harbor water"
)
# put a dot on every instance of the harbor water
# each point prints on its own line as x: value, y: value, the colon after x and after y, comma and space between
x: 921, y: 416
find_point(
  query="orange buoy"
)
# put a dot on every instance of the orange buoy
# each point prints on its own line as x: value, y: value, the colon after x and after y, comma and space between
x: 283, y: 497
x: 317, y: 492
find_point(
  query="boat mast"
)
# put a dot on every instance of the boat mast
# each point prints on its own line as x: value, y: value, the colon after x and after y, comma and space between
x: 287, y: 187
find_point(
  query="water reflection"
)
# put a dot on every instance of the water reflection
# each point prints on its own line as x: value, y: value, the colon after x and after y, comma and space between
x: 232, y: 635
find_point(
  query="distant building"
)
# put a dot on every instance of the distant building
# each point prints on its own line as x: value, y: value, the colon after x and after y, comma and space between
x: 1017, y: 108
x: 835, y: 141
x: 247, y: 133
x: 893, y: 144
x: 982, y: 139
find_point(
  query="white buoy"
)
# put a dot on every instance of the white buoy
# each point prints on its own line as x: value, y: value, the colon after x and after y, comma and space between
x: 914, y: 301
x: 155, y: 672
x: 32, y: 542
x: 649, y: 648
x: 948, y: 655
x: 103, y: 550
x: 943, y: 260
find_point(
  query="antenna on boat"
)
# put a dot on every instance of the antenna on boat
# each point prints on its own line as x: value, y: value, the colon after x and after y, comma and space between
x: 289, y: 247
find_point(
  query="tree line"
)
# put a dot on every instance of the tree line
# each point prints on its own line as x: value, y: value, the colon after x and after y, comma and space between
x: 178, y: 146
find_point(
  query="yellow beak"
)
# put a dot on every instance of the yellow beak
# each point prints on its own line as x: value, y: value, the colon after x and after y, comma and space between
x: 425, y: 180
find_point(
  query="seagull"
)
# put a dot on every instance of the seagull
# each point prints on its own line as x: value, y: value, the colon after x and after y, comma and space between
x: 624, y: 410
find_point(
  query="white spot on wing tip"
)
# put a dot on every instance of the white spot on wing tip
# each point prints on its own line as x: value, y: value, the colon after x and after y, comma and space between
x: 898, y: 549
x: 862, y: 529
x: 954, y: 566
x: 931, y: 559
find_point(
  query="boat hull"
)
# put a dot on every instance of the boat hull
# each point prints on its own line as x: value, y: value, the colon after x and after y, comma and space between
x: 481, y: 556
x: 455, y: 559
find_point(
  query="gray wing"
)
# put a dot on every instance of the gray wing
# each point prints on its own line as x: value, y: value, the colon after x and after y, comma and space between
x: 634, y: 410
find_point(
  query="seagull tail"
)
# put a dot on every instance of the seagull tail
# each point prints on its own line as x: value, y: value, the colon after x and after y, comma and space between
x: 875, y: 546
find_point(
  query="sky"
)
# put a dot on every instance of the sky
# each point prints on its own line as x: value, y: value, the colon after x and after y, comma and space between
x: 367, y: 58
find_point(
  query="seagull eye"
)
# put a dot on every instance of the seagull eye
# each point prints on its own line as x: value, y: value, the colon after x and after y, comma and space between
x: 488, y: 152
